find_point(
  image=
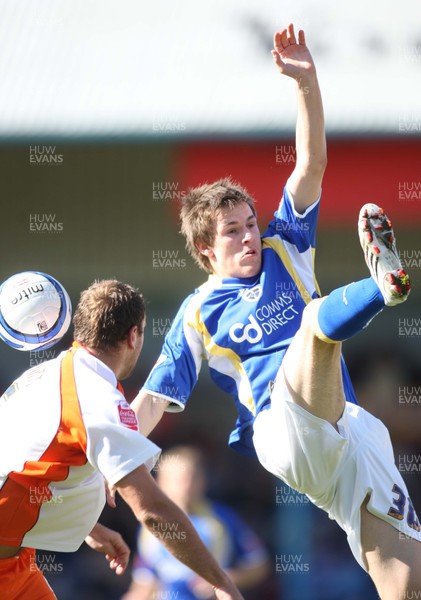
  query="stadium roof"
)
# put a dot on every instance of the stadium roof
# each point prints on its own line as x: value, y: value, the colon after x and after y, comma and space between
x: 122, y: 68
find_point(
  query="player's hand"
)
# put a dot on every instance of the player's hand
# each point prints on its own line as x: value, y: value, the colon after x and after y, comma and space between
x: 109, y: 542
x: 291, y: 56
x: 201, y: 589
x: 221, y: 595
x: 230, y: 593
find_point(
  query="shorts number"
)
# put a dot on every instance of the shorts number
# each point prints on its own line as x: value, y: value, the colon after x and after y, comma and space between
x: 399, y: 511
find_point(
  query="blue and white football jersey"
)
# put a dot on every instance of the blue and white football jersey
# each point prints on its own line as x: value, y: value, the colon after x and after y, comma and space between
x: 243, y: 326
x: 224, y: 534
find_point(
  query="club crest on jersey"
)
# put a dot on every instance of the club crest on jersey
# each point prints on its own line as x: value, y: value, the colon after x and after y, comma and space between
x: 127, y: 416
x: 252, y: 294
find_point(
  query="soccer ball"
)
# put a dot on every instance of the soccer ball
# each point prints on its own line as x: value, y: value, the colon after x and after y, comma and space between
x: 35, y: 311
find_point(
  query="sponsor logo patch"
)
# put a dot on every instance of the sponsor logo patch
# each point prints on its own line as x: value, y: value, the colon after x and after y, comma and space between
x: 127, y: 416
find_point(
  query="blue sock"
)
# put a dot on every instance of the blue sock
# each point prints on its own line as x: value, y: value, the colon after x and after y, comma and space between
x: 347, y: 310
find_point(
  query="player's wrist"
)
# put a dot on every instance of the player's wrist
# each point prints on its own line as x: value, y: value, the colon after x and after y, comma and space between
x: 306, y: 80
x: 227, y: 586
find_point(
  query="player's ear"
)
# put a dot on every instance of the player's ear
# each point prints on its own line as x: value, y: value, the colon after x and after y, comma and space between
x: 132, y: 336
x: 204, y: 249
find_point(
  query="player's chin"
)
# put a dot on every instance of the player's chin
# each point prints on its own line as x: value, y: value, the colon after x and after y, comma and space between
x: 251, y: 269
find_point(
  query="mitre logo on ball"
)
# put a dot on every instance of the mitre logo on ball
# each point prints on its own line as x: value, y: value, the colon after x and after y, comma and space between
x: 35, y: 311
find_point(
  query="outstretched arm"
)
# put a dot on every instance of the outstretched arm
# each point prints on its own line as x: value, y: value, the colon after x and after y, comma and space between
x: 149, y: 410
x: 293, y: 58
x: 169, y: 524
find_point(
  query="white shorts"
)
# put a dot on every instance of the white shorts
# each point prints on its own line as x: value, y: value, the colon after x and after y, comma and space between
x: 337, y: 470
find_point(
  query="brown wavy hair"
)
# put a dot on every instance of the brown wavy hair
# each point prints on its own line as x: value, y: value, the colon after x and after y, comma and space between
x: 201, y: 205
x: 106, y: 312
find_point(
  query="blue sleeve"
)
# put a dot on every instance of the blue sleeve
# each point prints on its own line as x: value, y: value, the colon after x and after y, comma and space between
x: 293, y: 227
x: 175, y: 372
x: 247, y: 547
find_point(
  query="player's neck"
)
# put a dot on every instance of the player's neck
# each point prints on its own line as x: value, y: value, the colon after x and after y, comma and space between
x: 112, y: 360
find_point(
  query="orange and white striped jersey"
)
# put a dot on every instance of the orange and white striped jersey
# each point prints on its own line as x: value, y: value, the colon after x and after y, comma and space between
x: 64, y: 427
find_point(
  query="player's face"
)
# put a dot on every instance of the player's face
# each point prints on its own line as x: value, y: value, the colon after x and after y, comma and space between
x: 237, y: 247
x: 183, y: 482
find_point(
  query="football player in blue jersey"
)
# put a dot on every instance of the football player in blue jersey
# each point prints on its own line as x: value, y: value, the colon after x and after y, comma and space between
x: 275, y: 346
x: 181, y: 474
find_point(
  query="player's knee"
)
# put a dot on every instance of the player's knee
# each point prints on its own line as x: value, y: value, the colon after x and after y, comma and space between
x: 310, y: 321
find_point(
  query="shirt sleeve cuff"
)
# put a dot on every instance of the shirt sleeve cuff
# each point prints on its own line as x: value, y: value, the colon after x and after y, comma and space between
x: 174, y: 406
